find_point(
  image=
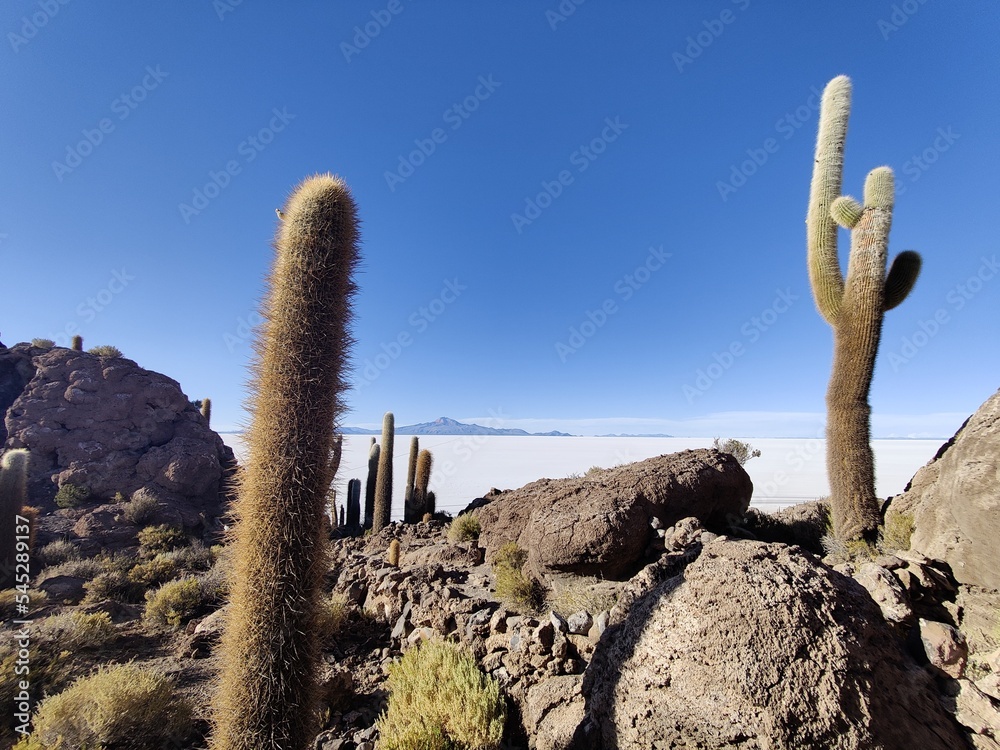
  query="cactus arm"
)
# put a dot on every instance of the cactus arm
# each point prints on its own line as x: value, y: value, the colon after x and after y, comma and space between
x: 825, y: 275
x: 846, y: 211
x: 902, y: 277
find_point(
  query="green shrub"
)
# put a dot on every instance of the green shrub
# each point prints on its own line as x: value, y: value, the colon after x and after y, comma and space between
x: 153, y: 572
x: 73, y: 631
x: 896, y: 532
x: 439, y: 700
x: 141, y: 509
x: 72, y: 495
x: 43, y: 343
x: 739, y: 450
x: 56, y: 553
x: 517, y: 590
x: 196, y: 557
x: 163, y: 538
x: 122, y: 707
x: 112, y: 586
x: 105, y: 350
x: 173, y: 604
x: 465, y: 528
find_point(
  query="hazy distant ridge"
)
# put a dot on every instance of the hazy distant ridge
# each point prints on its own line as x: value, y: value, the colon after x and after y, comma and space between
x: 448, y: 426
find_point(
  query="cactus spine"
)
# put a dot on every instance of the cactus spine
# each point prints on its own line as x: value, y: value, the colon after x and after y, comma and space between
x: 267, y: 694
x: 13, y: 498
x: 383, y: 485
x: 206, y: 410
x: 354, y: 503
x: 373, y: 457
x: 854, y: 309
x: 411, y: 511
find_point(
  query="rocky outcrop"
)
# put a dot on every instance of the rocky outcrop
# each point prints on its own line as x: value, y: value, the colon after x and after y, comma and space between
x: 116, y: 431
x: 605, y: 524
x: 757, y: 646
x: 954, y: 501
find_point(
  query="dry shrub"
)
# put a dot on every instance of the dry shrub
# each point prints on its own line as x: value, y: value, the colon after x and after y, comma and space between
x: 465, y: 528
x: 173, y: 604
x: 439, y: 700
x: 163, y: 538
x: 74, y: 631
x: 123, y: 707
x: 153, y: 572
x: 518, y: 591
x: 141, y: 509
x: 57, y: 553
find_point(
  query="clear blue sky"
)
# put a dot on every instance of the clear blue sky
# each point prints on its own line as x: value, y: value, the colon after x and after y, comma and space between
x: 646, y: 110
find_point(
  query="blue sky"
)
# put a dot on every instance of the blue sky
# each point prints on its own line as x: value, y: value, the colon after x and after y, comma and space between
x: 635, y: 172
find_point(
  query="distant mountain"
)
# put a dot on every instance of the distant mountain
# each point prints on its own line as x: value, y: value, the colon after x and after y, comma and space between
x: 657, y: 435
x: 448, y: 426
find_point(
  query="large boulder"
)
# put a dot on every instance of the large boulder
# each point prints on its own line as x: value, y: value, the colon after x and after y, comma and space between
x: 108, y: 425
x: 603, y: 524
x: 756, y: 646
x: 954, y: 501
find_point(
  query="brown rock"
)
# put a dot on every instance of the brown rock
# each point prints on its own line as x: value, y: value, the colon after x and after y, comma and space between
x: 600, y: 525
x: 553, y: 710
x: 760, y: 646
x: 945, y: 648
x: 955, y: 500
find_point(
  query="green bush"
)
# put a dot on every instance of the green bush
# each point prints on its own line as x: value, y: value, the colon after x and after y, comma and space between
x: 71, y: 495
x: 141, y: 509
x: 518, y: 591
x: 105, y: 351
x: 58, y: 552
x: 173, y: 604
x: 112, y: 586
x: 439, y: 700
x: 465, y: 528
x: 153, y: 572
x: 73, y: 631
x: 739, y: 450
x: 163, y: 538
x: 122, y: 707
x: 896, y: 532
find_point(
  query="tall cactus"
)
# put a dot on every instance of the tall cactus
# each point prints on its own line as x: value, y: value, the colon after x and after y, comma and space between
x: 267, y: 699
x: 374, y: 452
x: 383, y: 485
x: 206, y: 410
x: 13, y: 498
x: 854, y: 309
x: 411, y: 510
x: 423, y: 478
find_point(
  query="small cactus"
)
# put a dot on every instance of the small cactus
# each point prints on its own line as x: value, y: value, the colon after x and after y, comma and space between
x: 392, y: 557
x: 423, y: 478
x: 854, y: 308
x: 383, y: 485
x: 76, y: 343
x: 13, y: 498
x: 353, y: 503
x: 206, y: 410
